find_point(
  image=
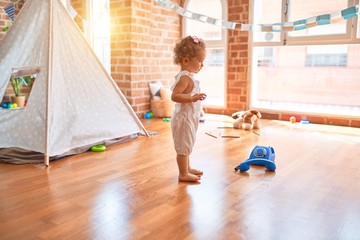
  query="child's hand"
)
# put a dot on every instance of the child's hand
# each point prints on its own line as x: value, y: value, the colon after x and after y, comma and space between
x: 198, y: 96
x: 203, y: 96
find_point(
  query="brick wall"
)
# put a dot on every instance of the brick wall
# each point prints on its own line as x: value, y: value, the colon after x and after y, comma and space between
x: 80, y: 7
x: 338, y: 121
x: 143, y: 37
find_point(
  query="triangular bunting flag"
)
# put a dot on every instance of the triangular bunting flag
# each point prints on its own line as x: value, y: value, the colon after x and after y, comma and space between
x: 10, y: 11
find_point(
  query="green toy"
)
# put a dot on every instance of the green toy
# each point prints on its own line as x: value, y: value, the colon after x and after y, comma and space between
x: 98, y: 148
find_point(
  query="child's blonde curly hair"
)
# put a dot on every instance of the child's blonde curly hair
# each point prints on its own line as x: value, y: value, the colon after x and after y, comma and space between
x: 187, y: 47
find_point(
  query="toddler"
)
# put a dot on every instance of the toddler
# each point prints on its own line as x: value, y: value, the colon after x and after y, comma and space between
x: 190, y: 54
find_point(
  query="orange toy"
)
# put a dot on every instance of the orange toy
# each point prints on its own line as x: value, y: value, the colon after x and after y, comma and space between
x: 292, y: 119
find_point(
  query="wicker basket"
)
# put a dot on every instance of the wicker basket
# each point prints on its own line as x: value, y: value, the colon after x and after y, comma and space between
x: 162, y: 108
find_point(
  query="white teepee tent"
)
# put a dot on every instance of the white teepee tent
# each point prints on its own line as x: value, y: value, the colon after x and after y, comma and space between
x: 74, y: 102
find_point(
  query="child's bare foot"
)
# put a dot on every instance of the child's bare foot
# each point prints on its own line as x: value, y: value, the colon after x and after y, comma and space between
x: 189, y: 178
x: 196, y: 172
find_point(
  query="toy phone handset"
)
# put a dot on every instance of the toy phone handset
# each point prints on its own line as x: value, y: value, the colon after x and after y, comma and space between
x: 261, y: 156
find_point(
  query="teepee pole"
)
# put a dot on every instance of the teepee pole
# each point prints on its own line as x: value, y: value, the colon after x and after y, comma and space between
x: 48, y: 81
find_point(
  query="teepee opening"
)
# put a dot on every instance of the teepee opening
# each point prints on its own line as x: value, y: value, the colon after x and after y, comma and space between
x: 19, y: 86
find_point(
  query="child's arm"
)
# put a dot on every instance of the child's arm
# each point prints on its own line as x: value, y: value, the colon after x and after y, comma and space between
x: 181, y: 90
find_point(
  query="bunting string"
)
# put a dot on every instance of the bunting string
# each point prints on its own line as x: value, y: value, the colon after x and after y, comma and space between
x: 323, y: 19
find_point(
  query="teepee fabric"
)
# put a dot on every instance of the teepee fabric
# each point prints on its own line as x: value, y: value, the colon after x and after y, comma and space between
x: 73, y: 102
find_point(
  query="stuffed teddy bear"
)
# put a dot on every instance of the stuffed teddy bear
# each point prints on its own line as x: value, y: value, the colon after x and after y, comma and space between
x: 246, y: 120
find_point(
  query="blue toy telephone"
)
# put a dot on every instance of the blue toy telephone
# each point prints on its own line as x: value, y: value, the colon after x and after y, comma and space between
x: 261, y: 156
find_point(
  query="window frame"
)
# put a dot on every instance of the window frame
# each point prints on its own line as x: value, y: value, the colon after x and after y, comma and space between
x: 213, y: 43
x: 89, y: 32
x: 350, y: 37
x: 347, y: 38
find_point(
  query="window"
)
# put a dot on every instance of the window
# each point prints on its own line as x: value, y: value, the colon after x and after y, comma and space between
x: 261, y: 15
x: 313, y: 70
x: 100, y: 34
x: 213, y: 75
x: 298, y: 10
x: 326, y: 55
x: 96, y: 28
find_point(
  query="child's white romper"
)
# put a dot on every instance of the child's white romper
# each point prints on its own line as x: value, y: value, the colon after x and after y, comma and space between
x: 185, y: 119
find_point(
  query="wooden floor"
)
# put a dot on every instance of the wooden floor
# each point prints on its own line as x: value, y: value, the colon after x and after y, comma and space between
x: 131, y: 191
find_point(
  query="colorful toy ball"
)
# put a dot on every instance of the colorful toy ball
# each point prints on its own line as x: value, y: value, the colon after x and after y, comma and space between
x: 151, y: 114
x: 292, y: 119
x: 147, y: 115
x: 10, y: 105
x: 304, y: 121
x: 15, y: 105
x: 4, y: 105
